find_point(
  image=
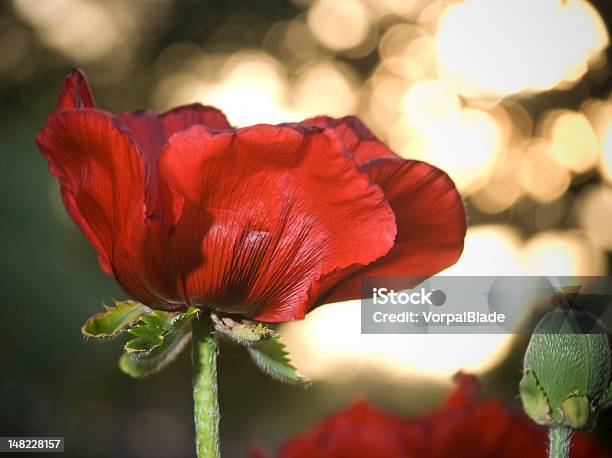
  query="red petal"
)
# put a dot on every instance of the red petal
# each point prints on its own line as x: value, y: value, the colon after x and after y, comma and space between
x: 75, y: 92
x: 359, y: 431
x: 466, y: 392
x: 359, y: 140
x: 431, y: 223
x: 102, y: 183
x: 486, y: 430
x: 585, y: 446
x: 264, y: 215
x: 152, y: 131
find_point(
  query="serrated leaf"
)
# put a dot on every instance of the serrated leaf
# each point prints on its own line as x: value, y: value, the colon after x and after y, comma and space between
x: 114, y: 319
x: 160, y: 337
x: 271, y: 356
x: 140, y: 365
x: 144, y: 343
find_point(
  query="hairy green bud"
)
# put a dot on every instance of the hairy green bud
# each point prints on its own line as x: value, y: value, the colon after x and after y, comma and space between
x: 566, y: 375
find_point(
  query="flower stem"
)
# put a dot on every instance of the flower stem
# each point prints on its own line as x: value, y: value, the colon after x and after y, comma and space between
x: 560, y: 438
x: 206, y: 403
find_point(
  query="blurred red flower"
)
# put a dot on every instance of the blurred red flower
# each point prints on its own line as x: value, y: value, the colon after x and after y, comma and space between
x: 263, y: 221
x: 463, y: 427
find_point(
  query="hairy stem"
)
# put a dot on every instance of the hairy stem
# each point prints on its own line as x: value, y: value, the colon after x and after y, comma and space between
x: 206, y: 403
x: 560, y: 438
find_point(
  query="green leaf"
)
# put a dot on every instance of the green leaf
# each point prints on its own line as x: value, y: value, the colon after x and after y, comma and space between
x: 271, y: 356
x: 114, y: 319
x: 160, y: 337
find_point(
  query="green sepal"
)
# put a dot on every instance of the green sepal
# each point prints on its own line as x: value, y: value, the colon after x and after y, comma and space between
x: 576, y: 411
x: 150, y: 332
x: 263, y: 344
x: 114, y: 319
x: 160, y: 337
x: 271, y: 357
x: 534, y: 399
x: 243, y: 332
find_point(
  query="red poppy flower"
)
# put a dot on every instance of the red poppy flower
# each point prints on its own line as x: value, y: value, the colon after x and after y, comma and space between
x: 362, y: 431
x: 464, y: 426
x: 263, y: 221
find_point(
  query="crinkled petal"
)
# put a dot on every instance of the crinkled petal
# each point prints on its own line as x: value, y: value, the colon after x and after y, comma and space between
x: 359, y: 140
x: 102, y: 183
x: 431, y: 223
x: 152, y: 131
x: 263, y: 215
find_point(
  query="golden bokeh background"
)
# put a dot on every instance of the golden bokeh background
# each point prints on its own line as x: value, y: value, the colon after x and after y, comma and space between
x: 511, y: 98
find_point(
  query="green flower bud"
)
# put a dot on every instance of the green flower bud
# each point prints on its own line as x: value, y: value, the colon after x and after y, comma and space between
x: 566, y: 376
